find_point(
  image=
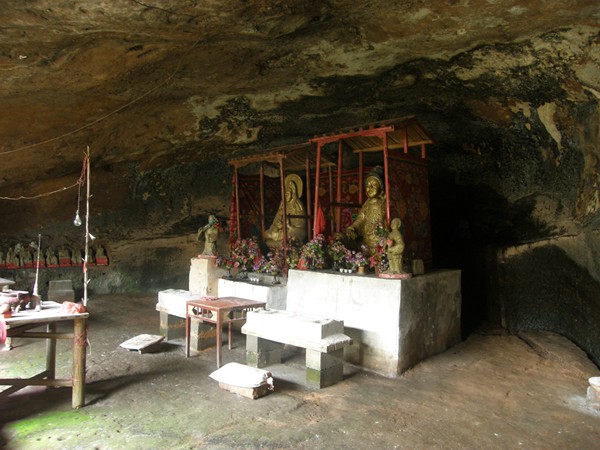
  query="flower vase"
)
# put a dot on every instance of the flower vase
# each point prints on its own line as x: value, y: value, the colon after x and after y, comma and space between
x: 361, y: 270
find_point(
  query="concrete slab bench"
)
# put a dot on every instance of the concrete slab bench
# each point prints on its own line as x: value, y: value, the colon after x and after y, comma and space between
x: 171, y: 306
x: 61, y: 291
x: 324, y: 340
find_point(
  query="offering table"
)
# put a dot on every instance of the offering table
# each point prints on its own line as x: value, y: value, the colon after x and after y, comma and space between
x: 218, y: 311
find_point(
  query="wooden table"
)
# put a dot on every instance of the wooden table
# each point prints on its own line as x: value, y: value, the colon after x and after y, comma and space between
x: 50, y: 315
x: 218, y: 311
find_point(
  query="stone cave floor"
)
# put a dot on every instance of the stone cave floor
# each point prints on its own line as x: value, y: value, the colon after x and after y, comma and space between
x: 493, y: 390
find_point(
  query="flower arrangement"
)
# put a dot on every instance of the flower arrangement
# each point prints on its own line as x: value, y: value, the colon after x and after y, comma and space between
x: 293, y: 250
x: 344, y: 258
x: 337, y: 252
x: 274, y: 263
x: 314, y: 253
x: 245, y: 255
x: 378, y: 259
x: 354, y: 259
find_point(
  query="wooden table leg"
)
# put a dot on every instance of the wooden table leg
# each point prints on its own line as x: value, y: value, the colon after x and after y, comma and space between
x: 219, y: 325
x: 51, y: 352
x: 187, y: 334
x: 229, y: 336
x: 79, y: 345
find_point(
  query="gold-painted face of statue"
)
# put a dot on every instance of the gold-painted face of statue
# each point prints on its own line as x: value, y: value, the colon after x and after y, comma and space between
x: 373, y: 187
x: 290, y: 191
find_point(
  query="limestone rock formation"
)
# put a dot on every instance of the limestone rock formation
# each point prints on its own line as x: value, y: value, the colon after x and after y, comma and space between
x: 163, y: 92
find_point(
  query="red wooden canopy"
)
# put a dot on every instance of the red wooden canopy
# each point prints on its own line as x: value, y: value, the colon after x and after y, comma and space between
x: 402, y: 133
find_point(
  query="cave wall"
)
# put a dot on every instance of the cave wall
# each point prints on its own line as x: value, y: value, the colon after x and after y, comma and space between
x: 514, y: 173
x: 146, y: 219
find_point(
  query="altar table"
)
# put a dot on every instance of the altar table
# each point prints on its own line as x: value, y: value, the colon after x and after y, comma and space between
x: 218, y: 311
x: 51, y: 314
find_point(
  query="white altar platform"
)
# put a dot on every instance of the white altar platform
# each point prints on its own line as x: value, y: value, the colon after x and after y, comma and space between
x: 264, y: 290
x: 395, y: 324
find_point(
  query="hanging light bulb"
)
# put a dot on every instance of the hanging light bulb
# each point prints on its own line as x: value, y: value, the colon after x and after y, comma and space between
x: 77, y: 221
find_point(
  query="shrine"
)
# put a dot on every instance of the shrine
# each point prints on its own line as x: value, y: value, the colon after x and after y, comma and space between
x: 293, y: 205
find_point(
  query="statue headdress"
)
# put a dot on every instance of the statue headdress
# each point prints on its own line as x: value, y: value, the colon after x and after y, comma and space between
x: 377, y: 172
x: 296, y: 180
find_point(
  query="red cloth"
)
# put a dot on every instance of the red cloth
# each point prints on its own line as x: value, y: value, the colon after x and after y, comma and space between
x: 73, y: 308
x: 2, y: 330
x: 321, y: 223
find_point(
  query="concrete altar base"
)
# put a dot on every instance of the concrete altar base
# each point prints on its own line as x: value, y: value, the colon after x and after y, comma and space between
x: 394, y: 323
x: 204, y: 276
x: 263, y: 291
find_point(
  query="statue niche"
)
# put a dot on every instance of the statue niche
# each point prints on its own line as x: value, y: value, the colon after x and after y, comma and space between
x: 296, y: 215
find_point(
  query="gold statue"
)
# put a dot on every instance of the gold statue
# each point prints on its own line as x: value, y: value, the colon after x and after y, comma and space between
x: 395, y: 247
x: 211, y: 234
x: 371, y: 216
x: 295, y: 226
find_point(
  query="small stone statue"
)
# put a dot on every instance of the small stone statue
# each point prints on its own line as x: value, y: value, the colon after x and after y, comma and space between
x: 296, y: 225
x: 211, y: 234
x: 372, y: 214
x: 101, y: 258
x: 51, y: 259
x: 76, y: 258
x: 395, y: 247
x: 64, y: 256
x: 12, y: 256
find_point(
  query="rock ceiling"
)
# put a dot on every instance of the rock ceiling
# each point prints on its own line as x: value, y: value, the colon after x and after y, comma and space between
x: 163, y: 92
x: 164, y: 81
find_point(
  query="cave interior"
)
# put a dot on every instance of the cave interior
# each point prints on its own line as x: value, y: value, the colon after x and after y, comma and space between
x: 164, y: 93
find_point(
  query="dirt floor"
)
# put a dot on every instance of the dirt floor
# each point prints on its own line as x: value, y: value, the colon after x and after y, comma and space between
x: 493, y: 390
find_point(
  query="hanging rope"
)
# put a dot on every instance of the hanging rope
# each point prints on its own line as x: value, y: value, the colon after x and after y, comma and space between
x: 45, y: 194
x: 78, y: 184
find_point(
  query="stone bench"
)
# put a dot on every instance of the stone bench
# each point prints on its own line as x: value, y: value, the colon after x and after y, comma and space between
x: 324, y: 340
x: 61, y: 291
x: 172, y: 307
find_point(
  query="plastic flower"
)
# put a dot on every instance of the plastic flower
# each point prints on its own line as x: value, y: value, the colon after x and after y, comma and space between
x: 292, y: 251
x: 245, y: 255
x: 314, y: 252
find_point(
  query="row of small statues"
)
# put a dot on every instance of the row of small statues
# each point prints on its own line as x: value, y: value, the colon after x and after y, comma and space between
x: 26, y: 256
x: 363, y: 231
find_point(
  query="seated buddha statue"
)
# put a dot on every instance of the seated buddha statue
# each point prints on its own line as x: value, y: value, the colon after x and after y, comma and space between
x: 295, y: 226
x: 372, y: 215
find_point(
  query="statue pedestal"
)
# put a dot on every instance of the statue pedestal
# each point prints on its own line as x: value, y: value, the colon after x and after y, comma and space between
x: 394, y: 323
x: 204, y: 276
